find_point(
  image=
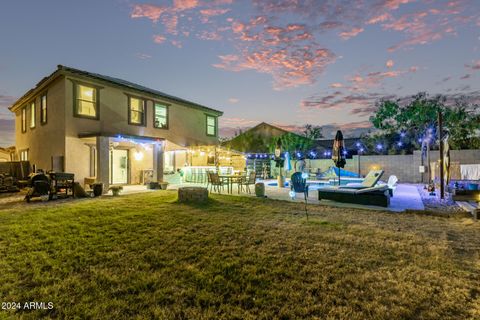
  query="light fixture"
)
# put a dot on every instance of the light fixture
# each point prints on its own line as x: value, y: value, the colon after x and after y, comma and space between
x: 138, y: 155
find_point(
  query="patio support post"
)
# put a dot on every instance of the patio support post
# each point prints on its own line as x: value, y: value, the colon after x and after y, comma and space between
x: 158, y: 161
x: 103, y: 163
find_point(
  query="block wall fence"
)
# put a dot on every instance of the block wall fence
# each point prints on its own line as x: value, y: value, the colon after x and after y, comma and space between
x: 405, y: 167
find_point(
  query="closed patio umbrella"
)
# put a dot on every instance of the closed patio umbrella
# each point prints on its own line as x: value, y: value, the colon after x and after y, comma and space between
x: 338, y: 155
x: 287, y: 166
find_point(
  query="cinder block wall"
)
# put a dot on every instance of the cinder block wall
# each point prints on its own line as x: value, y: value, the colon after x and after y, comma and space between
x: 405, y: 167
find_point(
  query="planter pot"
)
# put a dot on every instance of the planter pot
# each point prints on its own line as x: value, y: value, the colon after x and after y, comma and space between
x: 260, y: 189
x: 281, y: 181
x: 97, y: 189
x: 163, y: 185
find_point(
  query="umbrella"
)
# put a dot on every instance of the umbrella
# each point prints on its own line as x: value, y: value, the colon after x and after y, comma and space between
x: 287, y: 166
x: 338, y: 156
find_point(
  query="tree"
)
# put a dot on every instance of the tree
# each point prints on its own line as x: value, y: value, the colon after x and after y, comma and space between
x: 416, y: 119
x: 312, y: 132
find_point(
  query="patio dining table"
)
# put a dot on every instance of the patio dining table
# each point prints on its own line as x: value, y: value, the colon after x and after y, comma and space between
x: 231, y: 179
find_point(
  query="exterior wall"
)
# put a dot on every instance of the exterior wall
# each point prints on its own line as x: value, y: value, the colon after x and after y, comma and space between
x: 77, y: 158
x: 45, y: 140
x: 187, y: 126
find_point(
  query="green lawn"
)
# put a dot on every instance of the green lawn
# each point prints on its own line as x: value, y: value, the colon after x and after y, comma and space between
x: 147, y: 256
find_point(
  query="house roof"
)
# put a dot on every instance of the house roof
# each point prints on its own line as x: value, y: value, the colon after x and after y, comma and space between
x: 116, y: 81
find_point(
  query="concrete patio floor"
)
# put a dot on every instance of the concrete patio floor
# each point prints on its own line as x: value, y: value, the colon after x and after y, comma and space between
x: 406, y: 196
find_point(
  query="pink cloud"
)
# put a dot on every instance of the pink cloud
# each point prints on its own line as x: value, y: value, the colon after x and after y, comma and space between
x: 185, y: 4
x: 474, y: 66
x: 159, y: 39
x: 350, y: 34
x: 147, y: 11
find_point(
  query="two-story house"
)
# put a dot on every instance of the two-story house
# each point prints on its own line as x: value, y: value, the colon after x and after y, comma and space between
x: 111, y: 129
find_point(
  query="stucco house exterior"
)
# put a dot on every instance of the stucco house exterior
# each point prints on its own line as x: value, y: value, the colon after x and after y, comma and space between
x: 104, y: 128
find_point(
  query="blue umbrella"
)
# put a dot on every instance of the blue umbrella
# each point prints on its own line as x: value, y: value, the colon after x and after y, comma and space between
x: 287, y: 166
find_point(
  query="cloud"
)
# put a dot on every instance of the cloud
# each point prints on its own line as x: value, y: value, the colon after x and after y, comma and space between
x: 148, y: 11
x: 351, y: 33
x: 143, y: 56
x: 389, y: 63
x: 474, y: 66
x: 185, y: 4
x: 158, y: 38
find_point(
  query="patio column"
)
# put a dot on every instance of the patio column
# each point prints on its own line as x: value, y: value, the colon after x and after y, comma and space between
x: 103, y: 163
x: 158, y: 161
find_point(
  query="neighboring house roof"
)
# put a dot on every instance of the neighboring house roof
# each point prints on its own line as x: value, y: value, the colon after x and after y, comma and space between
x: 115, y: 81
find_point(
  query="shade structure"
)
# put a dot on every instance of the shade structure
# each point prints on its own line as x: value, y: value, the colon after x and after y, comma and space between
x: 338, y: 155
x: 287, y: 166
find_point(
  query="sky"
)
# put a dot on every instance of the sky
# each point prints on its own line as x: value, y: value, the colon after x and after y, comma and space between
x: 285, y: 62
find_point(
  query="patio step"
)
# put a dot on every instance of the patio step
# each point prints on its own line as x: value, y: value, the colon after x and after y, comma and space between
x: 471, y: 207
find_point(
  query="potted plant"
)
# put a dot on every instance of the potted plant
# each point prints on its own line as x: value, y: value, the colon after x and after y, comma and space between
x: 115, y: 190
x: 163, y: 185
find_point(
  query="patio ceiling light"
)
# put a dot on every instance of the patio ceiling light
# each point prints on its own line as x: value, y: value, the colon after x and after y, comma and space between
x: 138, y: 155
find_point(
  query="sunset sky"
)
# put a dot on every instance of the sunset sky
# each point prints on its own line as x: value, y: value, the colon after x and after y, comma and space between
x: 285, y: 62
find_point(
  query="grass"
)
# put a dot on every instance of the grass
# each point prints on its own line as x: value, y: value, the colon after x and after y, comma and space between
x: 147, y: 256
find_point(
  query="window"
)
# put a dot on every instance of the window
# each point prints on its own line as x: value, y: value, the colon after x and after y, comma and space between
x: 24, y: 119
x: 136, y: 111
x: 32, y: 115
x: 86, y: 102
x: 24, y: 155
x: 43, y: 109
x: 160, y: 116
x: 211, y: 126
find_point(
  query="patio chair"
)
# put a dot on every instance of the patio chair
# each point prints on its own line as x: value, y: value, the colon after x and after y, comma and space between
x: 392, y: 184
x: 299, y: 185
x: 249, y: 180
x: 216, y: 182
x: 376, y: 196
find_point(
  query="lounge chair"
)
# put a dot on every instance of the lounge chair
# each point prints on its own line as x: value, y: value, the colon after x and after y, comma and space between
x: 367, y: 192
x: 375, y: 196
x: 370, y: 180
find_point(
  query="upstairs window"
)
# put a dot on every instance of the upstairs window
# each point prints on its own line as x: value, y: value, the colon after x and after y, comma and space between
x: 211, y: 126
x: 24, y: 119
x: 86, y: 103
x: 136, y: 111
x: 161, y: 116
x: 43, y: 109
x: 32, y: 115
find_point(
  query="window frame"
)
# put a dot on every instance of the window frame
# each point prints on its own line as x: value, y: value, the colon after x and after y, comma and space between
x: 33, y: 114
x: 96, y: 89
x: 215, y: 127
x: 167, y: 107
x: 43, y: 120
x: 129, y: 111
x: 23, y: 119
